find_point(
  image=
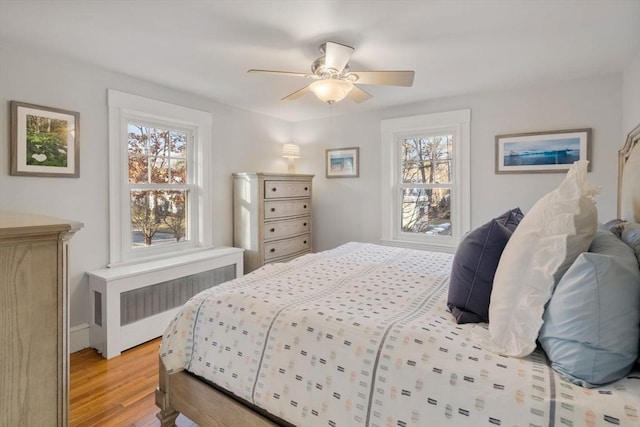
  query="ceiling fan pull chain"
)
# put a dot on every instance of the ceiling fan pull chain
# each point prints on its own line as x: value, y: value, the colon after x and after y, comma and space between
x: 331, y: 122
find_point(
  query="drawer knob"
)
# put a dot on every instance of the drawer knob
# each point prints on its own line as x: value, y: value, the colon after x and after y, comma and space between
x: 305, y: 242
x: 305, y: 206
x: 274, y: 209
x: 272, y: 250
x: 274, y: 189
x: 306, y: 188
x: 272, y: 230
x: 305, y: 224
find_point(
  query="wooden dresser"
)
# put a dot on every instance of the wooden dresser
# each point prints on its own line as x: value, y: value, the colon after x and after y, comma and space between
x: 34, y: 356
x: 271, y: 217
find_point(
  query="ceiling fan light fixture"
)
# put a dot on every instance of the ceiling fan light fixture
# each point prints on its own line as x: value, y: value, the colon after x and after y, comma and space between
x: 331, y: 90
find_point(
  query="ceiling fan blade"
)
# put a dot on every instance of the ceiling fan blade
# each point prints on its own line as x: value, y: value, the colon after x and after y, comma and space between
x: 336, y: 55
x: 358, y: 95
x: 284, y: 73
x: 297, y: 94
x: 389, y: 78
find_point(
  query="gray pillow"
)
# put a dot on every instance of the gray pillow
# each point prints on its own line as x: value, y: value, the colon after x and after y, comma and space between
x: 615, y: 226
x: 631, y: 236
x: 591, y: 329
x: 474, y: 266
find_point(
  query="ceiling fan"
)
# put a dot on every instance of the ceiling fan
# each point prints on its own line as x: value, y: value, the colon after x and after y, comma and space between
x: 333, y: 80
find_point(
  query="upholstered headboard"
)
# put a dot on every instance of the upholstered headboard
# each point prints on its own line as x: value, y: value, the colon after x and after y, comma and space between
x: 629, y: 178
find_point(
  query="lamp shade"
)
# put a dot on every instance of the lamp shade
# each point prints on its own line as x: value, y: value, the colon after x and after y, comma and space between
x: 331, y: 90
x: 291, y: 151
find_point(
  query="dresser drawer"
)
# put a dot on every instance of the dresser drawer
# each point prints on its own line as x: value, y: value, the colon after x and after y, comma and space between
x: 284, y: 208
x: 289, y: 258
x: 290, y: 227
x: 286, y: 247
x: 279, y: 189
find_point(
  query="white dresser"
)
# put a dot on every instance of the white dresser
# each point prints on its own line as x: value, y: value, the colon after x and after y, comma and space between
x: 271, y: 217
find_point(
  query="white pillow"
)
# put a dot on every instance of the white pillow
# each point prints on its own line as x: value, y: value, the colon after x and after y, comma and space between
x: 558, y: 228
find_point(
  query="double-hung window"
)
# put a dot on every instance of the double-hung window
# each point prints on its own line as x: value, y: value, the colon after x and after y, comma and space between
x: 425, y: 183
x: 159, y: 194
x: 161, y: 183
x: 425, y: 189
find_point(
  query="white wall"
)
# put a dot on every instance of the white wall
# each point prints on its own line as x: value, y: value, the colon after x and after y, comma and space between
x: 242, y: 141
x: 344, y: 209
x: 631, y: 95
x: 348, y: 208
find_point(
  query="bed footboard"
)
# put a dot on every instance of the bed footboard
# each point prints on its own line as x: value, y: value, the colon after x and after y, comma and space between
x: 167, y: 414
x: 182, y: 393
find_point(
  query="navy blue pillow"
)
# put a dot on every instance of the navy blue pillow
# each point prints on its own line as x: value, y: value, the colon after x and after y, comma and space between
x: 511, y: 219
x: 474, y: 267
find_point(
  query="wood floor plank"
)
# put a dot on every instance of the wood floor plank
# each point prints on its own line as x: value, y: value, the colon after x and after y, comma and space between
x: 117, y: 392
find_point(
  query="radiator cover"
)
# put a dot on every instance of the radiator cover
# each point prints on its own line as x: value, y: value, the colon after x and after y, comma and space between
x: 138, y: 304
x: 133, y: 304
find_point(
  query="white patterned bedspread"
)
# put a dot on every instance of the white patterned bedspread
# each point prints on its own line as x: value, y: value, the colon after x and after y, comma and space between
x: 361, y: 336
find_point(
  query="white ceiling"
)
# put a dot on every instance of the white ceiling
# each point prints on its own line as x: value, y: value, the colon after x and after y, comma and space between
x: 206, y: 46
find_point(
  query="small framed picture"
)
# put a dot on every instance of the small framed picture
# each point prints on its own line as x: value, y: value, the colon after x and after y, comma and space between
x: 44, y: 141
x: 553, y: 151
x: 342, y: 162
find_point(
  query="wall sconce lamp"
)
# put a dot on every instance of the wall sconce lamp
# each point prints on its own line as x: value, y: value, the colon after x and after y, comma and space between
x: 291, y: 152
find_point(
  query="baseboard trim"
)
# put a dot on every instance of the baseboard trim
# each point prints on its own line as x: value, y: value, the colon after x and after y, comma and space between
x: 78, y: 337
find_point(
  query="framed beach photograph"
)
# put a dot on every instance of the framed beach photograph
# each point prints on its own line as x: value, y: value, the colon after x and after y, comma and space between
x: 44, y: 141
x: 342, y: 162
x: 536, y: 152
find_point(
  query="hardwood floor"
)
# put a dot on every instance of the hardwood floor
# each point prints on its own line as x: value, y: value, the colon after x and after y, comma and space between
x: 117, y: 392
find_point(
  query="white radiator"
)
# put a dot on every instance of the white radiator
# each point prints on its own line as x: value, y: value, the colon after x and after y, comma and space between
x: 133, y: 304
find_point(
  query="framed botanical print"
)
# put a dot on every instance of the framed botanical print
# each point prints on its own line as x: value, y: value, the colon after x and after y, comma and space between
x: 44, y: 141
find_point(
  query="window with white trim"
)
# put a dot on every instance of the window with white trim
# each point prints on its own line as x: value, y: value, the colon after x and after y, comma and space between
x: 161, y: 183
x: 159, y: 197
x: 425, y: 189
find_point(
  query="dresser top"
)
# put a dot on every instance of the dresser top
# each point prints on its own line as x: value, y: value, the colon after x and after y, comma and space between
x: 16, y: 223
x: 273, y: 175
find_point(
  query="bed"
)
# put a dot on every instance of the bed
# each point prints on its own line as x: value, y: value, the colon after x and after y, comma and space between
x: 362, y: 335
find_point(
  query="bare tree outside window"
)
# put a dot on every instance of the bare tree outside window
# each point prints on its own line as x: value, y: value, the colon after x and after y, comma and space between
x: 157, y: 171
x: 426, y: 182
x: 176, y: 221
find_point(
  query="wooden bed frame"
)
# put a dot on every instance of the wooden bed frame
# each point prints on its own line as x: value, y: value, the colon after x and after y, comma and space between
x: 183, y: 393
x: 629, y: 178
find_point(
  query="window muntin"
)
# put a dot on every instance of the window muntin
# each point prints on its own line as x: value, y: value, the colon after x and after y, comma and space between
x: 425, y: 184
x: 159, y: 184
x: 427, y: 159
x: 156, y: 155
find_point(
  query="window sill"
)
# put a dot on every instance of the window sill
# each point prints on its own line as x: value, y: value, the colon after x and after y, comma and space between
x: 140, y: 266
x: 434, y: 247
